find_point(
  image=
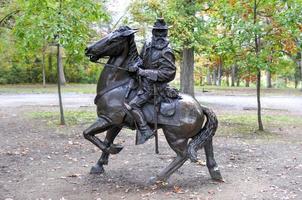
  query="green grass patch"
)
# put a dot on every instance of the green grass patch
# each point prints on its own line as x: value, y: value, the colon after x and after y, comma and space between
x: 246, y: 124
x: 251, y: 91
x: 71, y: 117
x: 249, y: 119
x: 50, y: 88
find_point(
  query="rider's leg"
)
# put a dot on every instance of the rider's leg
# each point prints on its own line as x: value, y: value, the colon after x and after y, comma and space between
x: 136, y: 106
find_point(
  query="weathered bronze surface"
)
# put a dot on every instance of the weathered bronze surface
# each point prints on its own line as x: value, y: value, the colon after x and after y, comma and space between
x: 125, y: 78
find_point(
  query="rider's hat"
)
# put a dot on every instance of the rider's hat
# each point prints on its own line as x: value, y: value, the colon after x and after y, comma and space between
x: 160, y: 24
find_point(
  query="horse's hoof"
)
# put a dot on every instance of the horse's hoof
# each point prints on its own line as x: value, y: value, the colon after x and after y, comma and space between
x: 215, y: 174
x: 152, y: 180
x: 97, y: 169
x: 115, y: 148
x: 156, y: 180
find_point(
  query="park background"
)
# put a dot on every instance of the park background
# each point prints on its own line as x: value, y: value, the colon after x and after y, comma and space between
x: 232, y: 55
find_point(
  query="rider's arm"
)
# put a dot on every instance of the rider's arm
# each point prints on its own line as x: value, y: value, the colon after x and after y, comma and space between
x: 165, y: 71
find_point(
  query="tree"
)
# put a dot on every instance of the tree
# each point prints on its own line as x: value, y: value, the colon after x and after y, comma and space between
x: 290, y: 19
x: 248, y: 19
x: 40, y: 21
x: 60, y: 23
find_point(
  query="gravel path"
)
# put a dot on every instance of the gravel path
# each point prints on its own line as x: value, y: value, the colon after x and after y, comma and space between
x: 239, y: 102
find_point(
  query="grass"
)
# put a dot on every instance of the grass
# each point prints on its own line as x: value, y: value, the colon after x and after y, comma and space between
x: 50, y: 88
x: 241, y: 125
x: 223, y: 90
x: 246, y: 124
x: 71, y: 117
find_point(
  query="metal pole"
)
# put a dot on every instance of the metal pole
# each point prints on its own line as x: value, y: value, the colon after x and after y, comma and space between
x: 155, y: 119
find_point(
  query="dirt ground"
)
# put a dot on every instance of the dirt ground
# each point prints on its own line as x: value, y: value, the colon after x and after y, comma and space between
x: 39, y: 161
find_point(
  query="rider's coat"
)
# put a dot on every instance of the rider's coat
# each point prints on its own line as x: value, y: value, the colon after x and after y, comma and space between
x: 158, y: 64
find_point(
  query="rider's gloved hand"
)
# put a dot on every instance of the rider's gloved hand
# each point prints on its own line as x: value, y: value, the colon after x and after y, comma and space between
x: 134, y: 67
x: 141, y: 72
x: 150, y: 74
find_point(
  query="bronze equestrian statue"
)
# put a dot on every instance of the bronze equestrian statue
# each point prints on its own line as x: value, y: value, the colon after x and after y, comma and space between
x: 186, y: 124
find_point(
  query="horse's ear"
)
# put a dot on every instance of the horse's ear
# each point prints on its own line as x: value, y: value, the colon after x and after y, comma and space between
x: 129, y: 32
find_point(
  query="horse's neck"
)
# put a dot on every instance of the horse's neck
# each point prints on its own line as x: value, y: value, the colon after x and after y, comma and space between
x: 111, y: 75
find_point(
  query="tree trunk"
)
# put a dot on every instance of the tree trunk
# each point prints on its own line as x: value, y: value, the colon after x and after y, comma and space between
x: 238, y: 82
x: 247, y: 82
x: 187, y: 71
x: 200, y: 79
x: 260, y: 125
x: 43, y: 68
x: 268, y: 79
x: 215, y: 77
x: 59, y: 67
x: 51, y: 73
x: 209, y: 80
x: 219, y: 77
x: 227, y: 79
x: 297, y: 75
x: 300, y: 69
x: 257, y: 49
x: 233, y: 75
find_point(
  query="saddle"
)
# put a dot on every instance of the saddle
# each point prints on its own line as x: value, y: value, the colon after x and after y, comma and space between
x: 166, y: 102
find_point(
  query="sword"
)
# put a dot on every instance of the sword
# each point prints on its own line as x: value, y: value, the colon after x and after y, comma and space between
x: 155, y: 118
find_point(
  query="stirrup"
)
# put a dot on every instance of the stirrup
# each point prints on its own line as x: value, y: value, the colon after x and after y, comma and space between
x: 142, y: 138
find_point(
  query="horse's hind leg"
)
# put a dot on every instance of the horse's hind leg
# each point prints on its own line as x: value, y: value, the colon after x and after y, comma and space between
x: 179, y: 145
x: 211, y: 163
x: 110, y: 136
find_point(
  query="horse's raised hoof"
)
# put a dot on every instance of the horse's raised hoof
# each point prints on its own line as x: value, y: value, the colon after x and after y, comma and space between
x: 97, y: 169
x: 215, y: 174
x: 115, y: 148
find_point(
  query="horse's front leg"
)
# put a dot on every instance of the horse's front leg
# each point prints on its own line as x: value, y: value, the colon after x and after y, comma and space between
x: 100, y: 125
x: 110, y: 136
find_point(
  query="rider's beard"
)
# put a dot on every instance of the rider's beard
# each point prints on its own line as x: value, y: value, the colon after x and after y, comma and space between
x: 159, y: 42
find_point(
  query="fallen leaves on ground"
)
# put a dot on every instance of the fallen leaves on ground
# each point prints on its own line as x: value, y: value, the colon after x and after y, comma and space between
x: 201, y: 162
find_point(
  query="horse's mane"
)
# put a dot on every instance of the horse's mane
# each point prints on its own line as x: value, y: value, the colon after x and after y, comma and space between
x: 133, y: 53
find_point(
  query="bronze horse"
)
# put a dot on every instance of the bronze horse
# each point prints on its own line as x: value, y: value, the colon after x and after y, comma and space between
x: 195, y: 127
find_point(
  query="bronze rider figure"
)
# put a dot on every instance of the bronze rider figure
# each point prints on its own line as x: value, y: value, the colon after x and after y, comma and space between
x: 156, y: 66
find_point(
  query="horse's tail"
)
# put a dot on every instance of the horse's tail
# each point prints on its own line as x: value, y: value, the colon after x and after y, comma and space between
x: 207, y: 132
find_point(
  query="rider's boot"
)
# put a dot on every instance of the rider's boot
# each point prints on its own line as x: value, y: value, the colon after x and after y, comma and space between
x: 144, y: 131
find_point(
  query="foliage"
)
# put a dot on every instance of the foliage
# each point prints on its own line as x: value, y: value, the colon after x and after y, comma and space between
x: 188, y: 25
x: 40, y: 23
x: 221, y: 32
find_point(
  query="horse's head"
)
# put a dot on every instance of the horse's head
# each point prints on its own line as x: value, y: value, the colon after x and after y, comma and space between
x: 110, y: 45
